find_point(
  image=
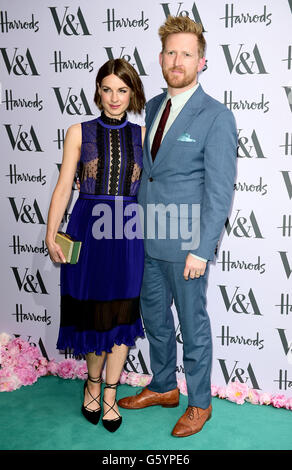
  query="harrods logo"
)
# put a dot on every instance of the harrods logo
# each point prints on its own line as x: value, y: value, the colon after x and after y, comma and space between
x: 288, y: 182
x: 70, y: 24
x: 244, y: 62
x: 289, y: 58
x: 238, y: 373
x: 287, y: 146
x: 134, y: 58
x: 73, y: 104
x: 15, y: 176
x: 60, y: 138
x: 26, y: 213
x: 240, y: 303
x: 116, y: 23
x: 19, y: 247
x: 13, y: 103
x: 19, y: 64
x: 62, y: 65
x: 29, y: 317
x: 288, y: 91
x: 259, y: 188
x: 246, y: 227
x: 286, y: 225
x: 25, y: 141
x: 179, y: 12
x: 229, y: 263
x: 285, y: 262
x: 8, y: 24
x: 228, y: 339
x: 31, y: 283
x: 232, y: 19
x: 285, y: 304
x: 245, y: 105
x: 249, y: 147
x: 283, y: 382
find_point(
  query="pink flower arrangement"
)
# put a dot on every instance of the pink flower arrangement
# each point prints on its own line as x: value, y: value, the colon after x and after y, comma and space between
x: 265, y: 399
x: 279, y: 401
x: 22, y: 364
x: 182, y: 385
x: 214, y: 390
x: 288, y: 405
x: 253, y: 396
x: 237, y: 392
x: 221, y: 392
x: 138, y: 380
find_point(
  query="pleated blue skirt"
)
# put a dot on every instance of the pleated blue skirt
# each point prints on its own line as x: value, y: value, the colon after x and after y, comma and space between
x: 100, y: 294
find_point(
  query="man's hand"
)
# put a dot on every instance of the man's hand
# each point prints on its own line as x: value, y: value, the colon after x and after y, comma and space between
x: 194, y: 268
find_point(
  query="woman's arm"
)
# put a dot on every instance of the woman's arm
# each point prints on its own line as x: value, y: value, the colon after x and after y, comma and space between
x: 143, y: 132
x: 62, y: 191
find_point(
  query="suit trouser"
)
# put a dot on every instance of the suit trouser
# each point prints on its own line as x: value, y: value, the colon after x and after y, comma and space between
x: 163, y: 281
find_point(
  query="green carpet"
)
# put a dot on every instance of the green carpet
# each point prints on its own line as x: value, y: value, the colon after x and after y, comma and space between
x: 47, y: 416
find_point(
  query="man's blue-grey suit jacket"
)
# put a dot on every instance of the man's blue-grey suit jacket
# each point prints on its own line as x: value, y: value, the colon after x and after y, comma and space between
x: 195, y: 165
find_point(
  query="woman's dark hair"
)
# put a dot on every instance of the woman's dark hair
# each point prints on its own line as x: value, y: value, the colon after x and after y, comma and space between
x: 126, y: 72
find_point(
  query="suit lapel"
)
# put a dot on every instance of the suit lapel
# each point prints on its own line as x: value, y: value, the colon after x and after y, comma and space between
x: 180, y: 125
x: 149, y: 123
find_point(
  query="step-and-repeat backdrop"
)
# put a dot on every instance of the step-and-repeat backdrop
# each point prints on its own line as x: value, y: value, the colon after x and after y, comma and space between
x: 49, y: 55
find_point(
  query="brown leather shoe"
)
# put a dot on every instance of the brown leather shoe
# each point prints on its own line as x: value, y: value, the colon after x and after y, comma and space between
x: 148, y: 398
x: 191, y: 421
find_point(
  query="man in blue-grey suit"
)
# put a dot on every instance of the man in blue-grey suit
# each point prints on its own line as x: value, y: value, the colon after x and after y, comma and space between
x: 186, y: 192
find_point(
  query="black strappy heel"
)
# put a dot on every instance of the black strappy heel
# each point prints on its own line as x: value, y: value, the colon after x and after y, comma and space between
x: 111, y: 424
x: 91, y: 416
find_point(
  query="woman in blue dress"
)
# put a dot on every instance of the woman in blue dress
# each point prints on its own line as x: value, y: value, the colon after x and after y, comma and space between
x: 100, y: 315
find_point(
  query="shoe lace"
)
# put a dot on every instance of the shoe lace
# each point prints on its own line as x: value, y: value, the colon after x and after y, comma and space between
x: 191, y: 412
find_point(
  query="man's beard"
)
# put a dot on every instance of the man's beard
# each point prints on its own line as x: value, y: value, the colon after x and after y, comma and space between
x: 178, y: 81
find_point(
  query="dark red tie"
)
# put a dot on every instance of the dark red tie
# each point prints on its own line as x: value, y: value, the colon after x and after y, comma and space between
x: 159, y: 132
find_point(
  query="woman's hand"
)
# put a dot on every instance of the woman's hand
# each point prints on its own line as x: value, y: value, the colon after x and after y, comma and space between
x: 55, y: 252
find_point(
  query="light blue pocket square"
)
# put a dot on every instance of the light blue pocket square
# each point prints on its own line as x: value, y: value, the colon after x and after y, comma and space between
x: 186, y: 138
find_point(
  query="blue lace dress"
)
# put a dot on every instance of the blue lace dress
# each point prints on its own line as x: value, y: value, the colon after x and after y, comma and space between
x: 100, y: 294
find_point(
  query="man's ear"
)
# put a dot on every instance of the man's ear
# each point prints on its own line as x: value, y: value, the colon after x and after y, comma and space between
x: 201, y: 64
x: 160, y: 59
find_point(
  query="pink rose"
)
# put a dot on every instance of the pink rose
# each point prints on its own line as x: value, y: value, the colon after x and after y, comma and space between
x: 221, y: 392
x: 52, y: 367
x: 133, y: 379
x: 278, y: 401
x: 145, y: 380
x: 265, y: 399
x: 66, y: 369
x: 123, y: 377
x: 81, y: 370
x: 237, y: 392
x: 253, y: 396
x: 182, y: 385
x: 4, y: 339
x: 27, y: 375
x: 214, y: 390
x: 8, y: 381
x: 288, y: 404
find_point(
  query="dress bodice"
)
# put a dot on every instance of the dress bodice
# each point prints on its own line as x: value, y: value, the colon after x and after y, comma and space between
x: 111, y: 157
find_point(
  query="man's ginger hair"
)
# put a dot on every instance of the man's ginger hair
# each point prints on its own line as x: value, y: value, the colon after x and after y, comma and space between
x: 182, y: 24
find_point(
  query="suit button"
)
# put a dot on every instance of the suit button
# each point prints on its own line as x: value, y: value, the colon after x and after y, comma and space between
x: 151, y: 179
